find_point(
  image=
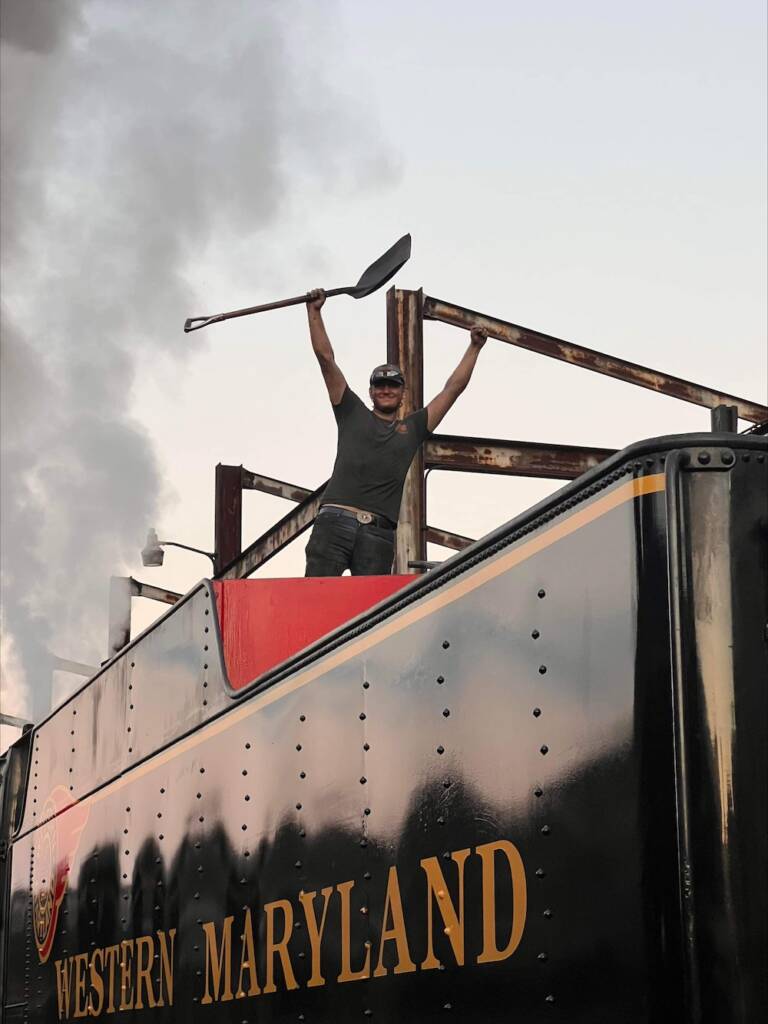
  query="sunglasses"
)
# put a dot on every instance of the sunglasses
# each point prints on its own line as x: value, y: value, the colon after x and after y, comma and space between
x: 379, y: 384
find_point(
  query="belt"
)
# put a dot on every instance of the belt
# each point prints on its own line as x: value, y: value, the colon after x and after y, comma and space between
x: 364, y: 518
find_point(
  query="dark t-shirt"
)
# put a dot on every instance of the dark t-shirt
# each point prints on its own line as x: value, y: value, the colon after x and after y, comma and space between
x: 372, y: 457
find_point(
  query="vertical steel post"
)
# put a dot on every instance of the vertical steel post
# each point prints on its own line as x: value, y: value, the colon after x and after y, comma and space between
x: 405, y: 347
x: 120, y: 592
x: 228, y: 515
x: 725, y: 419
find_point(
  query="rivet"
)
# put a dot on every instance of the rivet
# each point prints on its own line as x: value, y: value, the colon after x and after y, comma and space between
x: 441, y: 749
x: 745, y: 458
x: 549, y: 999
x: 538, y: 791
x: 547, y: 913
x: 366, y: 685
x: 367, y: 876
x: 302, y: 718
x: 245, y: 771
x: 446, y: 712
x: 704, y: 458
x: 536, y: 712
x: 542, y: 670
x: 302, y: 775
x: 363, y: 780
x: 727, y: 458
x: 297, y: 864
x: 542, y: 593
x: 761, y: 458
x: 446, y: 783
x: 446, y: 644
x: 362, y: 716
x: 298, y: 746
x: 540, y: 872
x: 544, y: 748
x: 545, y: 830
x: 244, y: 828
x: 366, y: 810
x: 298, y: 807
x: 535, y: 634
x: 363, y: 842
x: 441, y: 821
x: 440, y: 680
x: 247, y: 746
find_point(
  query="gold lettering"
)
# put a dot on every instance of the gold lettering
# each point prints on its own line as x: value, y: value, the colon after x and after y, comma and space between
x: 81, y: 964
x: 218, y: 961
x: 126, y: 982
x: 393, y: 907
x: 143, y: 972
x: 347, y: 974
x: 97, y: 985
x: 281, y: 947
x: 63, y: 985
x: 453, y: 922
x: 166, y: 960
x: 248, y: 960
x: 315, y: 933
x: 487, y: 852
x: 110, y: 956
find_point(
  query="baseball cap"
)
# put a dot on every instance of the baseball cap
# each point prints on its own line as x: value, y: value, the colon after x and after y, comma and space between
x: 387, y: 373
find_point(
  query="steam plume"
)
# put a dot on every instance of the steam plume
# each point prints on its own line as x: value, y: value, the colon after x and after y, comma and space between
x: 132, y: 132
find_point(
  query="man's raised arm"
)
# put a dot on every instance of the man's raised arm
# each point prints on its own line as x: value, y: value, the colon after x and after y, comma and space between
x: 458, y: 380
x: 321, y: 345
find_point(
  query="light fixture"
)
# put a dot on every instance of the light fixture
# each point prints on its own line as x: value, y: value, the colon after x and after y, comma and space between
x: 152, y: 553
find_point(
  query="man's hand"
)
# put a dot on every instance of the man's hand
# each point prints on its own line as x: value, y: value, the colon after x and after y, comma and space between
x: 315, y: 299
x: 478, y: 336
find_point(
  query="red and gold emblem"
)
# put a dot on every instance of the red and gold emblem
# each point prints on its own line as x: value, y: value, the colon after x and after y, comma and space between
x: 55, y: 849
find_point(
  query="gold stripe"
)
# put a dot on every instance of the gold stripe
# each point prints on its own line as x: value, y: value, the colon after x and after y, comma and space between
x: 465, y: 585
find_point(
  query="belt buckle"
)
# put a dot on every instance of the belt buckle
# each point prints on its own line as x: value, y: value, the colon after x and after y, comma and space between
x: 365, y: 518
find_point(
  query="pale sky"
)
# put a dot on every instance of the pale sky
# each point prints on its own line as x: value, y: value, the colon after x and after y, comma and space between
x: 595, y: 171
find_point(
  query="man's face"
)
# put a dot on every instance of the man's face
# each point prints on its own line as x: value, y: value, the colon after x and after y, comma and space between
x: 386, y: 396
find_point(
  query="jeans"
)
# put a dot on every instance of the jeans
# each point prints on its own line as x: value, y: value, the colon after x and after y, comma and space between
x: 339, y: 542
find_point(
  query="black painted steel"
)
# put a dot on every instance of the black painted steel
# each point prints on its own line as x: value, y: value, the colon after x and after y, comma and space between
x: 522, y: 720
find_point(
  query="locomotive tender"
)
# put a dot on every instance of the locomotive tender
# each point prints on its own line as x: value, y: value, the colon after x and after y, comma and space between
x: 529, y: 785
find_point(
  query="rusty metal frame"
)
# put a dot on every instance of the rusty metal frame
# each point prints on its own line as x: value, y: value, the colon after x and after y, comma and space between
x: 275, y: 539
x: 405, y: 347
x: 511, y: 458
x: 406, y: 312
x: 121, y: 591
x: 589, y: 359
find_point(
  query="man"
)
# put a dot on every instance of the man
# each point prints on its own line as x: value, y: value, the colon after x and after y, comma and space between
x: 355, y: 527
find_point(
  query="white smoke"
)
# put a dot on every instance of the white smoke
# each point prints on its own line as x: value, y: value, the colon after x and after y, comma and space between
x: 132, y: 134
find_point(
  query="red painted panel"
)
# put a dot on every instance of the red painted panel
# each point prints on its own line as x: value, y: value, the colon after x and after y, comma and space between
x: 263, y: 622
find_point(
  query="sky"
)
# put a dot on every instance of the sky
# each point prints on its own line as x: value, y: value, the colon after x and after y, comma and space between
x: 595, y: 171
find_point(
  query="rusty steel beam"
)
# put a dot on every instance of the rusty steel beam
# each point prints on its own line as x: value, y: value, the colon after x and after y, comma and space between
x: 455, y: 541
x: 228, y: 515
x: 589, y: 359
x: 275, y: 539
x: 268, y: 485
x: 405, y: 334
x: 510, y: 458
